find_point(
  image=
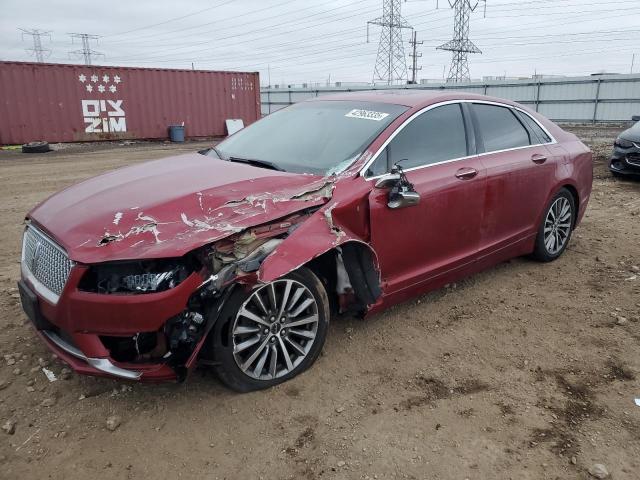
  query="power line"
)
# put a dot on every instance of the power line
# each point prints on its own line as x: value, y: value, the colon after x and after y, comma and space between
x: 37, y: 50
x: 170, y: 20
x: 86, y: 51
x: 349, y: 62
x: 460, y: 45
x: 296, y: 47
x: 271, y: 29
x: 287, y: 55
x: 391, y: 64
x: 217, y: 21
x: 298, y: 43
x: 227, y: 25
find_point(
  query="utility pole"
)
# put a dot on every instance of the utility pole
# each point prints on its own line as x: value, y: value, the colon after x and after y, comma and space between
x: 415, y: 56
x: 460, y: 45
x: 391, y: 64
x: 86, y: 53
x: 38, y: 51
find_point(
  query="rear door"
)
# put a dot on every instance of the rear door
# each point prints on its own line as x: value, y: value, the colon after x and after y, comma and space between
x: 441, y: 234
x: 520, y: 171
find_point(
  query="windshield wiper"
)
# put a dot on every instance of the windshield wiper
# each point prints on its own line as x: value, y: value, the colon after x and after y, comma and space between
x: 256, y: 163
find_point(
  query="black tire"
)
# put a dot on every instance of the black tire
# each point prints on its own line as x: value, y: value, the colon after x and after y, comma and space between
x: 541, y: 252
x: 222, y: 338
x: 36, y: 147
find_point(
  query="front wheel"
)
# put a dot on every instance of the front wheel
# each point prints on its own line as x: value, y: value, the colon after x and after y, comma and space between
x: 271, y: 333
x: 557, y: 224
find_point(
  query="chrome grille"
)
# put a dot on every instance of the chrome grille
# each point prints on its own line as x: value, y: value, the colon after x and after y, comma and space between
x: 634, y: 159
x: 47, y: 263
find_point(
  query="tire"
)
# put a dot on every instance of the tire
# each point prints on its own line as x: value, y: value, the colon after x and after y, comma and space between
x: 548, y: 249
x: 36, y: 147
x: 244, y: 366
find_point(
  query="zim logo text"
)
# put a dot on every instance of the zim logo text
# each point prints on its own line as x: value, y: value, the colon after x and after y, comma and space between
x: 103, y: 116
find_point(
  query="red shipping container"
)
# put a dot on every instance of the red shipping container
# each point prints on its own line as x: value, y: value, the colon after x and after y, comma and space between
x: 71, y: 103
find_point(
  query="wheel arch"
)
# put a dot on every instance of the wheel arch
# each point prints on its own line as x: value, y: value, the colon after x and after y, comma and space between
x: 360, y: 263
x: 326, y: 260
x: 572, y: 189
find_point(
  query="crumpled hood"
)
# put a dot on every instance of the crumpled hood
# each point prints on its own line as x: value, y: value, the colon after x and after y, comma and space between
x: 168, y: 207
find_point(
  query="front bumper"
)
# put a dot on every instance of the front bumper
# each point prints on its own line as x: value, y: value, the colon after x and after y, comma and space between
x: 103, y: 365
x: 625, y: 161
x: 74, y: 326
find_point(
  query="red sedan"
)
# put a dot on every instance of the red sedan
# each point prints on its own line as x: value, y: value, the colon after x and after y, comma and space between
x: 238, y: 256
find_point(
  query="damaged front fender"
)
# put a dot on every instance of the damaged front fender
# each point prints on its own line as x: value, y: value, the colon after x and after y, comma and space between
x: 316, y: 237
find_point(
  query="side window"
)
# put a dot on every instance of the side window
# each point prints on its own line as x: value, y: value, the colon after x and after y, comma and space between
x: 435, y: 136
x: 539, y: 134
x: 380, y: 166
x: 500, y: 128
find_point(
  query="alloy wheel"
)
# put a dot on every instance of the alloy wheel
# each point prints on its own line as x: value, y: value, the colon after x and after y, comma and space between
x: 557, y: 225
x: 275, y: 329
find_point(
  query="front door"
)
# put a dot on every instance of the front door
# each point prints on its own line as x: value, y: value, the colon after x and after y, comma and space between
x: 424, y: 244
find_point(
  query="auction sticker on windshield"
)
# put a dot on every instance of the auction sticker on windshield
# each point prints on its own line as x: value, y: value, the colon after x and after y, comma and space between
x: 367, y: 114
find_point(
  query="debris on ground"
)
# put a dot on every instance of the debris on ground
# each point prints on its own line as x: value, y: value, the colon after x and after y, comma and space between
x: 113, y: 422
x: 49, y: 374
x: 599, y: 471
x: 9, y: 427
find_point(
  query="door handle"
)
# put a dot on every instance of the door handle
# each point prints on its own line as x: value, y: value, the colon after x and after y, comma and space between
x: 466, y: 173
x: 538, y: 158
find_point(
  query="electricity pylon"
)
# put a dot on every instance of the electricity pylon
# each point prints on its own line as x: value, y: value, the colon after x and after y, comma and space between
x: 461, y: 46
x: 38, y: 50
x: 391, y: 64
x: 86, y: 53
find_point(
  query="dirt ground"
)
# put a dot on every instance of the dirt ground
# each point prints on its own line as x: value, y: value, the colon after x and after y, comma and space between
x: 526, y: 371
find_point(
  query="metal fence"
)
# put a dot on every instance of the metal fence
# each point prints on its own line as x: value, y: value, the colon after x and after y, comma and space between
x: 598, y: 98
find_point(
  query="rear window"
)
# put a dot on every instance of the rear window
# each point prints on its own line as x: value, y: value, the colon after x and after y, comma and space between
x: 540, y: 136
x: 500, y: 128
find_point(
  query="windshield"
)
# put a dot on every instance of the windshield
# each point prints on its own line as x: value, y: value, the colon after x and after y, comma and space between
x: 320, y: 137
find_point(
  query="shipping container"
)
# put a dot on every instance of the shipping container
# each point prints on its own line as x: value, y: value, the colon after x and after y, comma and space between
x: 72, y: 103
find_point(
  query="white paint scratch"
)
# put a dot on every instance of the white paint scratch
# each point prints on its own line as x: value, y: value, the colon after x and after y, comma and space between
x: 185, y: 220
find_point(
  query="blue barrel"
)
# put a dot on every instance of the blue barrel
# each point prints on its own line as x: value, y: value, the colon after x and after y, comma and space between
x: 176, y: 133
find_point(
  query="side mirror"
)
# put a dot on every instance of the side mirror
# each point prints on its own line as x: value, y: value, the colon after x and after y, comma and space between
x: 636, y: 118
x: 402, y: 194
x: 403, y: 199
x: 388, y: 180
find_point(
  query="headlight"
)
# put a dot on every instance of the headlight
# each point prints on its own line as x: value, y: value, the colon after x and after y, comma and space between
x: 149, y: 281
x: 622, y: 143
x: 135, y: 277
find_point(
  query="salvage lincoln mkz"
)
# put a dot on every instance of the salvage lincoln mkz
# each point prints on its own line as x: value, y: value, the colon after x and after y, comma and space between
x: 237, y: 257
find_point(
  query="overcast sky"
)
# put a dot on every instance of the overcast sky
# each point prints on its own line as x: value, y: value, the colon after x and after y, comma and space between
x: 309, y: 41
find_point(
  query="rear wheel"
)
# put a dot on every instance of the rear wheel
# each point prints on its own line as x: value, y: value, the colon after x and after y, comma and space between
x: 272, y: 333
x: 557, y: 224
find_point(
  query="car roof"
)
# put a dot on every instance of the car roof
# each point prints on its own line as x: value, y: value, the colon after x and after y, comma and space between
x: 412, y: 97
